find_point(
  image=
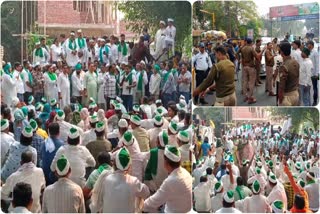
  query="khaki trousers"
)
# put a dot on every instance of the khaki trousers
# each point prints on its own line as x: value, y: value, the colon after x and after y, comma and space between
x: 249, y: 80
x: 230, y: 100
x: 269, y: 75
x: 290, y: 99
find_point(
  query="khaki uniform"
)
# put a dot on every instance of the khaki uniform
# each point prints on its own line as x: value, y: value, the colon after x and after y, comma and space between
x: 269, y: 70
x: 142, y: 137
x: 289, y: 82
x: 223, y: 75
x: 258, y: 64
x: 249, y: 73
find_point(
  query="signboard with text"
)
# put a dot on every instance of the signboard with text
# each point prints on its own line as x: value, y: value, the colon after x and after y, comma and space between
x: 295, y: 12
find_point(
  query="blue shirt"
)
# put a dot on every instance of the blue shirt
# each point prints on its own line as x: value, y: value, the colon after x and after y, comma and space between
x: 13, y: 161
x: 47, y: 158
x: 37, y: 142
x: 205, y: 148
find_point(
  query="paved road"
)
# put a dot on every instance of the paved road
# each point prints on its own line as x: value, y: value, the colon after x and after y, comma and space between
x: 259, y: 93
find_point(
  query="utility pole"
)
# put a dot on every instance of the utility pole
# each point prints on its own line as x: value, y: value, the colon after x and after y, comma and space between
x: 213, y: 18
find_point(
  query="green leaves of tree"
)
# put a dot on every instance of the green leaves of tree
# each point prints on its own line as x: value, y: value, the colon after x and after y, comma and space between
x: 298, y: 115
x: 11, y: 24
x: 140, y: 14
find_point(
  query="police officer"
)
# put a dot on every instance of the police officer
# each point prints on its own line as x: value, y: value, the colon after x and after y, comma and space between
x: 202, y: 64
x: 223, y: 75
x: 248, y: 55
x: 210, y: 52
x: 289, y: 78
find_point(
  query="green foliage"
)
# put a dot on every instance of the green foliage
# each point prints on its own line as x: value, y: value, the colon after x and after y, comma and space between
x: 11, y: 24
x: 217, y: 115
x: 33, y: 38
x: 140, y: 14
x: 299, y: 116
x: 234, y: 16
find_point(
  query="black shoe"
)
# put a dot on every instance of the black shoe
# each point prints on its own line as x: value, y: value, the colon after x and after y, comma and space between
x: 314, y: 103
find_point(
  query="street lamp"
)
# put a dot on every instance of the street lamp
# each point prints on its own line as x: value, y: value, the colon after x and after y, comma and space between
x: 212, y: 14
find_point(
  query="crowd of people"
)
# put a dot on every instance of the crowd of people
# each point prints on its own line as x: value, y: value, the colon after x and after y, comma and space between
x: 257, y: 168
x: 97, y: 125
x: 86, y: 159
x: 79, y: 68
x: 292, y: 70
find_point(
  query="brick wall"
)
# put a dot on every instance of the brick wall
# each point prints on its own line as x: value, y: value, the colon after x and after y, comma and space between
x: 57, y: 12
x: 249, y: 113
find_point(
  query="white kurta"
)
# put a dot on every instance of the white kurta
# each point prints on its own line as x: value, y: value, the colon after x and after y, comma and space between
x: 202, y: 197
x: 121, y: 57
x: 56, y: 52
x: 42, y: 60
x: 6, y: 141
x: 64, y: 196
x: 77, y: 84
x: 228, y: 210
x: 278, y: 193
x: 114, y: 53
x: 120, y: 187
x: 50, y: 87
x: 170, y: 36
x: 101, y: 82
x: 79, y: 158
x: 154, y: 85
x: 88, y: 136
x: 8, y: 89
x: 84, y: 49
x: 175, y: 192
x: 160, y: 42
x: 216, y: 202
x: 30, y: 174
x: 313, y: 195
x: 153, y: 136
x: 137, y: 158
x: 254, y: 204
x: 63, y: 84
x: 65, y: 129
x: 71, y: 59
x: 19, y: 82
x: 161, y: 175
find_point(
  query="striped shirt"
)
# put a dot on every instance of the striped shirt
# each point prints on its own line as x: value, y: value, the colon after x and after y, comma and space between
x: 64, y: 196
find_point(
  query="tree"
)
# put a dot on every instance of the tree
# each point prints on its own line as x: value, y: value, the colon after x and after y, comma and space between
x: 229, y: 15
x: 298, y: 115
x: 140, y: 14
x: 217, y: 115
x: 11, y: 24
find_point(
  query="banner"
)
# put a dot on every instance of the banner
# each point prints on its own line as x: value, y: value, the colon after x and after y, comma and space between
x: 295, y: 10
x: 250, y: 33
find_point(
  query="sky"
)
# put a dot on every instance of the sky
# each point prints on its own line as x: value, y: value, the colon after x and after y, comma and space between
x: 264, y: 5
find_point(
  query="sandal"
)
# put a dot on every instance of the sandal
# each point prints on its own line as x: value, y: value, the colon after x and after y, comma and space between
x: 252, y: 100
